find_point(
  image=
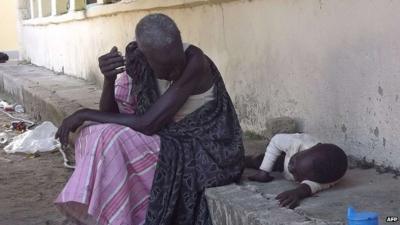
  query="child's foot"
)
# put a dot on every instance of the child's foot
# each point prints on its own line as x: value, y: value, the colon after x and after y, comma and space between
x: 261, y: 176
x: 253, y: 161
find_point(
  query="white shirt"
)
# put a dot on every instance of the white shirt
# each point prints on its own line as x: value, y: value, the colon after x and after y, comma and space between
x: 193, y: 102
x: 291, y: 144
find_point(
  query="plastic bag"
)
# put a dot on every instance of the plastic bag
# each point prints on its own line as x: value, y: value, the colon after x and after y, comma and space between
x: 3, y: 104
x: 40, y: 139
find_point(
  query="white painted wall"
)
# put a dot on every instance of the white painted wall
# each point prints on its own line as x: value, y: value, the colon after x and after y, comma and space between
x: 333, y: 65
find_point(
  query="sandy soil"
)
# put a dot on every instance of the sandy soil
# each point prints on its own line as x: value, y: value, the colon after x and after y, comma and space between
x: 29, y: 184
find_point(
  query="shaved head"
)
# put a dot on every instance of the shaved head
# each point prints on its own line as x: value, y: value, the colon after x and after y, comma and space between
x: 157, y: 31
x: 159, y: 39
x: 323, y: 163
x: 330, y: 163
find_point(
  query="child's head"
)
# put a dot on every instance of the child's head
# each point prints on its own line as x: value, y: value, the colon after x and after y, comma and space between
x: 323, y: 163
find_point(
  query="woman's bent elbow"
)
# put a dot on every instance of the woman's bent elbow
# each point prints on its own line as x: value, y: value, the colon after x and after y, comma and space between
x: 149, y: 131
x: 147, y: 128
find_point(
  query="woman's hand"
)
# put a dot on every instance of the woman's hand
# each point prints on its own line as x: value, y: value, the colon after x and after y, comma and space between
x: 69, y: 124
x: 109, y: 64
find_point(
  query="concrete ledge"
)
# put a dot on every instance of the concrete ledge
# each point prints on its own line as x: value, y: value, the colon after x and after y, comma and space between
x: 46, y: 95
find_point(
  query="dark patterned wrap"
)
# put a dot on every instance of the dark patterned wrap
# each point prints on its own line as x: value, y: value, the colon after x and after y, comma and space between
x: 204, y: 149
x: 144, y: 82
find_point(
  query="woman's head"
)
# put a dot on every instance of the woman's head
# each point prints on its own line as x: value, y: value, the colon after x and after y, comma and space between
x: 323, y: 163
x: 160, y: 40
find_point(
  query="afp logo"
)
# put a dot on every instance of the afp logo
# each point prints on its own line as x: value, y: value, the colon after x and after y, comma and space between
x: 392, y: 219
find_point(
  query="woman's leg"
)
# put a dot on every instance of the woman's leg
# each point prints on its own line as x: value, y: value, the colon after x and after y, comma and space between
x: 114, y: 171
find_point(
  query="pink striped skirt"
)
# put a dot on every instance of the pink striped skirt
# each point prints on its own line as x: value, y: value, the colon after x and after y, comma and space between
x: 114, y: 171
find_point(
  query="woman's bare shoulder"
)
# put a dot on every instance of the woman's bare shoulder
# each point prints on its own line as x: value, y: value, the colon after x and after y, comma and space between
x: 197, y: 60
x: 193, y: 51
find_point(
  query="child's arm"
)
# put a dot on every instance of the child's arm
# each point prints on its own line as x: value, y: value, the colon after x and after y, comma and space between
x: 279, y: 143
x: 292, y: 198
x: 317, y: 187
x: 307, y: 188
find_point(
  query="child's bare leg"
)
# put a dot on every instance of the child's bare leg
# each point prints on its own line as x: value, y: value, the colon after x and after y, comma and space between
x: 253, y: 161
x: 261, y: 176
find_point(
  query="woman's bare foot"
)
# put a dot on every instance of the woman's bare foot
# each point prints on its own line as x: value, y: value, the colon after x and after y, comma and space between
x: 261, y: 176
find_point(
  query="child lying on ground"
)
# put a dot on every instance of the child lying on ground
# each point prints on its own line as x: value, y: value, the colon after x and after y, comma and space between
x: 316, y: 166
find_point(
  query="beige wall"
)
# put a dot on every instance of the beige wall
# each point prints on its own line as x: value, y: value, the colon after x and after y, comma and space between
x: 8, y: 25
x: 333, y: 65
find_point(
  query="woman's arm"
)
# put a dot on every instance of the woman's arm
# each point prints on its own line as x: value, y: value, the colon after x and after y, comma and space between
x: 158, y: 115
x: 165, y: 107
x: 107, y: 100
x: 109, y: 64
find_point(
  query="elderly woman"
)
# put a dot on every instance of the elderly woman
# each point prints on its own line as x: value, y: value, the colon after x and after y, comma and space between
x: 165, y: 131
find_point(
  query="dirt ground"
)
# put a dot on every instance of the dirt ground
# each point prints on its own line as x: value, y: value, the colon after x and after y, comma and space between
x: 29, y: 184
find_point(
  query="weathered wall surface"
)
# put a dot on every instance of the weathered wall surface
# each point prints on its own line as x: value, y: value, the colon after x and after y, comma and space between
x: 333, y: 65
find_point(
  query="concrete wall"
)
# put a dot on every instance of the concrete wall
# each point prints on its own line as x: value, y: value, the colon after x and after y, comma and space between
x: 333, y: 65
x: 8, y: 27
